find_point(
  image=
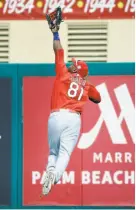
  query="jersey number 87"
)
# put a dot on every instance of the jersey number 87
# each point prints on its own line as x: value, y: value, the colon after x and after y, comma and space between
x: 73, y: 90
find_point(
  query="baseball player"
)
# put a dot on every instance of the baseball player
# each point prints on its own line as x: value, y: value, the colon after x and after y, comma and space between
x: 70, y: 93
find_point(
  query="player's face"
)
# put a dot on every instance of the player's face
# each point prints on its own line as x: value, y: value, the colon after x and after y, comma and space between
x: 72, y: 69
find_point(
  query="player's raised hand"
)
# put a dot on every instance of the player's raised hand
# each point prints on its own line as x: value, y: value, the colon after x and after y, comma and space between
x: 54, y: 19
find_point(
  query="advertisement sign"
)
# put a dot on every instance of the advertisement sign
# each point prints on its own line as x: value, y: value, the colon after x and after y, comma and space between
x: 72, y: 9
x: 101, y: 168
x: 5, y: 141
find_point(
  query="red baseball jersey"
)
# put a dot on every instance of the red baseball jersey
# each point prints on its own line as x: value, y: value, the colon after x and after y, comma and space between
x: 70, y: 90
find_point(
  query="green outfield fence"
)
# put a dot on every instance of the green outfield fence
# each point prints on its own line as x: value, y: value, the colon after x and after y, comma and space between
x: 16, y: 72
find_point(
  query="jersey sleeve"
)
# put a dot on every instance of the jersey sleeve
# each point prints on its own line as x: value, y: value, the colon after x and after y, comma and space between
x: 59, y: 62
x: 94, y: 95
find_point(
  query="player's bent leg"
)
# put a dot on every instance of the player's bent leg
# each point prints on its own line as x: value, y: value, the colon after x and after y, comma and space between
x: 53, y: 141
x: 54, y: 132
x: 68, y: 141
x: 62, y: 163
x: 52, y: 158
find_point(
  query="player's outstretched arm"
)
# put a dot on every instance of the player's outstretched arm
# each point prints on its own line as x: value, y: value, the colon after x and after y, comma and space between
x: 54, y: 19
x: 58, y: 50
x: 56, y: 41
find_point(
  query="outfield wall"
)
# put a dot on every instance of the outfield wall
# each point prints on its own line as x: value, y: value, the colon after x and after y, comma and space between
x: 101, y: 170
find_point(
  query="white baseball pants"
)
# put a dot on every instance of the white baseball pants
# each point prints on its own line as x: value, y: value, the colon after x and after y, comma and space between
x: 63, y: 133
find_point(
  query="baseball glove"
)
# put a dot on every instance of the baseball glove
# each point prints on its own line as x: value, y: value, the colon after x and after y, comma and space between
x: 54, y: 19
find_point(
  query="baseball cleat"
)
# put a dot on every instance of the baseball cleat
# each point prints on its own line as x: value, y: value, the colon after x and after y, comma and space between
x: 48, y: 182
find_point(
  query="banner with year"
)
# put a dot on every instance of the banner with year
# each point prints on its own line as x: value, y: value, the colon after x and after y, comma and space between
x: 72, y: 9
